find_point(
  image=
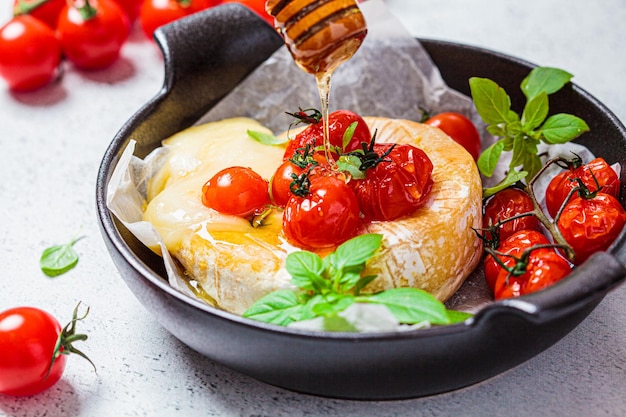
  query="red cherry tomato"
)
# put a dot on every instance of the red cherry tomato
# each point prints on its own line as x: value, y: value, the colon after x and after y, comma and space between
x: 396, y: 186
x: 545, y: 267
x: 156, y: 13
x: 338, y: 122
x: 47, y: 11
x: 257, y: 6
x: 94, y: 42
x: 34, y: 349
x: 513, y: 245
x: 591, y: 225
x: 560, y: 186
x: 327, y: 216
x: 27, y: 340
x: 459, y: 128
x: 237, y: 191
x: 30, y: 54
x: 131, y: 8
x: 281, y: 182
x: 506, y: 204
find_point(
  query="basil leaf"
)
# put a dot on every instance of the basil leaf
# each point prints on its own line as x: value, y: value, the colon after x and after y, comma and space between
x: 356, y: 251
x: 332, y: 304
x: 363, y: 282
x: 544, y: 80
x: 306, y: 269
x: 511, y: 178
x: 562, y: 128
x: 532, y: 164
x: 278, y: 307
x: 347, y: 135
x: 266, y: 138
x: 351, y: 164
x: 488, y: 160
x: 412, y: 305
x: 535, y: 112
x: 58, y: 259
x: 456, y: 316
x: 492, y: 102
x: 349, y: 278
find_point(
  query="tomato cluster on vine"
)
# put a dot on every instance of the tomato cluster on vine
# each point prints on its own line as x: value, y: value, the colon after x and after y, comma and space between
x: 328, y: 193
x: 88, y: 33
x: 527, y: 249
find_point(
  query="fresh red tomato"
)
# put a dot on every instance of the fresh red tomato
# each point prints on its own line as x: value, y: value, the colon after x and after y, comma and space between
x: 95, y: 41
x: 131, y: 8
x: 459, y: 128
x: 34, y: 349
x: 513, y: 245
x: 590, y: 225
x: 397, y: 185
x: 237, y: 191
x: 257, y: 6
x: 544, y: 267
x: 326, y: 216
x: 30, y: 54
x: 506, y: 204
x: 47, y: 11
x: 156, y: 13
x: 338, y: 122
x: 561, y: 185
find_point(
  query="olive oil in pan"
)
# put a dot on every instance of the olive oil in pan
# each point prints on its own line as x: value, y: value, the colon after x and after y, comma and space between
x: 320, y: 35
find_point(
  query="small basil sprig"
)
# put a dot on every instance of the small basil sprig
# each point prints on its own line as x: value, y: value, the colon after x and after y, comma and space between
x: 332, y: 284
x: 521, y: 135
x: 58, y: 259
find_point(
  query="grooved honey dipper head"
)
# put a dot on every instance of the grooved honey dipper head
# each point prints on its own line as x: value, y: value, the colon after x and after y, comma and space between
x: 320, y: 34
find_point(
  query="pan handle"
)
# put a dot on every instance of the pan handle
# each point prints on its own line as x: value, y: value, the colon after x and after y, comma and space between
x: 208, y: 53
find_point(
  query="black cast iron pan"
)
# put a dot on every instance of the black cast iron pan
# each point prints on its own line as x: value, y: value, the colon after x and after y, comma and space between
x: 207, y: 55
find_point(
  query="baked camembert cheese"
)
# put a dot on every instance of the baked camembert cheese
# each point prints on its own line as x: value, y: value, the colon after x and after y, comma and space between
x: 434, y: 249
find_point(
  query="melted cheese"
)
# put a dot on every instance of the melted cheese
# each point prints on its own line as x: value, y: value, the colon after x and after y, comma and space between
x: 194, y: 156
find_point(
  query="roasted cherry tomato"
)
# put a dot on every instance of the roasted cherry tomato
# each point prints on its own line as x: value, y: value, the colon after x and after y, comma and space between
x: 30, y: 53
x: 561, y: 185
x: 459, y: 128
x: 290, y: 170
x: 326, y: 216
x: 237, y: 191
x: 92, y: 37
x: 397, y: 185
x: 338, y: 122
x: 506, y: 204
x: 257, y: 6
x: 156, y: 13
x: 47, y: 11
x: 591, y: 224
x: 513, y: 245
x: 31, y: 361
x: 544, y: 267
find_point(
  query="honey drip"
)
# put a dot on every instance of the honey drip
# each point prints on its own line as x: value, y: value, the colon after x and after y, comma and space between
x: 320, y: 35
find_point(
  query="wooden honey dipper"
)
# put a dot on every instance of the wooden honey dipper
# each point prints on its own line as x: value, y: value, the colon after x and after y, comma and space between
x: 320, y: 34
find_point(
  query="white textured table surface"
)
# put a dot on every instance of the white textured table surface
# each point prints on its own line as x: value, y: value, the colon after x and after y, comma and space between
x: 51, y: 143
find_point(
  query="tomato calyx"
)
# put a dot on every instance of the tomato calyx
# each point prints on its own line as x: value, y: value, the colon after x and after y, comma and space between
x: 86, y: 10
x: 368, y: 156
x: 309, y: 116
x: 68, y: 336
x: 521, y: 262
